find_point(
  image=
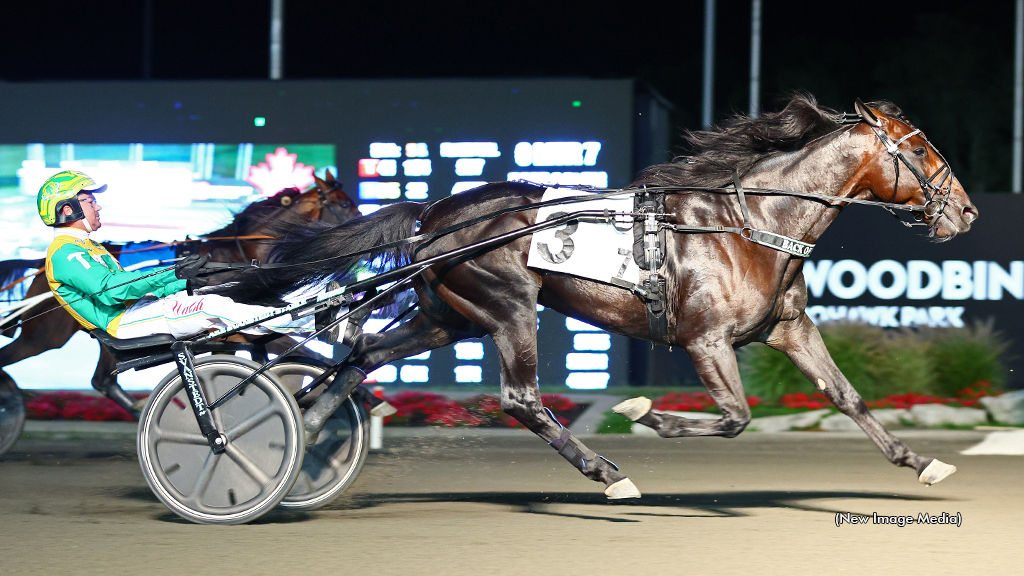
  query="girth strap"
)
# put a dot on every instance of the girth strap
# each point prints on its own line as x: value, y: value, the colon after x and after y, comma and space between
x: 649, y: 254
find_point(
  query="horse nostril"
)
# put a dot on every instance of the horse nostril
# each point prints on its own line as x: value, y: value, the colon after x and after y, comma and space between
x: 970, y: 214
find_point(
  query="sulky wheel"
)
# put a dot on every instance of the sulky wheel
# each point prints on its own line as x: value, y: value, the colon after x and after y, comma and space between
x: 12, y: 412
x: 265, y: 444
x: 333, y: 463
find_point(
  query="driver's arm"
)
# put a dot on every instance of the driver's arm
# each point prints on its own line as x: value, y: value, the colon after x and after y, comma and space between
x: 73, y: 266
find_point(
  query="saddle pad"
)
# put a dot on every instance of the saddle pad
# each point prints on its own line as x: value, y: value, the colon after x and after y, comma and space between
x: 586, y: 248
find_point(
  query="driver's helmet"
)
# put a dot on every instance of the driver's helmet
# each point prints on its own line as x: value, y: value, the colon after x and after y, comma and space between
x: 61, y: 190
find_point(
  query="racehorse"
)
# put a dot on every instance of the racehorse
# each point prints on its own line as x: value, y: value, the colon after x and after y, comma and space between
x: 243, y: 240
x: 798, y: 167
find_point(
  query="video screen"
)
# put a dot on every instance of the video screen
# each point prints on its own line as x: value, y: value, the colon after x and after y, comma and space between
x: 160, y: 192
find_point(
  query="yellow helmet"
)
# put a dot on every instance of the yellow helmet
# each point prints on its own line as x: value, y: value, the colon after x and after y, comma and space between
x: 61, y: 190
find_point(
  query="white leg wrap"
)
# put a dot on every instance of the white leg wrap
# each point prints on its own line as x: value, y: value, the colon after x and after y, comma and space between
x: 634, y: 408
x: 622, y: 489
x: 935, y: 472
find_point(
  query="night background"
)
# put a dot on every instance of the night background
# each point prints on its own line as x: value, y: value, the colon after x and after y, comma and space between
x: 949, y: 67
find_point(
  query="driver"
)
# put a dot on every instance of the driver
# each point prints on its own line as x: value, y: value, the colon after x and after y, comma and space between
x: 86, y: 279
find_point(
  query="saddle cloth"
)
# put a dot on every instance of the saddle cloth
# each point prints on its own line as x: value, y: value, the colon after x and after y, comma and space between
x: 586, y: 248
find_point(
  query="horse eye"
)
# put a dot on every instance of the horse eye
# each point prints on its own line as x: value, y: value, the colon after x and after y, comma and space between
x: 920, y: 152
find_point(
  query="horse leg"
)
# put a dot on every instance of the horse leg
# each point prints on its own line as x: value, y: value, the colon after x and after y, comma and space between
x: 503, y: 302
x: 38, y: 336
x: 800, y: 340
x: 106, y: 383
x: 424, y: 332
x: 520, y: 398
x: 716, y: 365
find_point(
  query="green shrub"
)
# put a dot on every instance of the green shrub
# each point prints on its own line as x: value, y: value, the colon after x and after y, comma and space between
x: 615, y: 424
x: 768, y: 374
x: 962, y: 356
x: 879, y: 362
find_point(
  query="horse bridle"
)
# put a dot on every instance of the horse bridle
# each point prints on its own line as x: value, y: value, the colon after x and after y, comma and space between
x: 936, y: 192
x: 322, y: 202
x: 329, y: 204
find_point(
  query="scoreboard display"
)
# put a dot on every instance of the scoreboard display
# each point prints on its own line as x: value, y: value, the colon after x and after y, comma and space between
x: 181, y: 157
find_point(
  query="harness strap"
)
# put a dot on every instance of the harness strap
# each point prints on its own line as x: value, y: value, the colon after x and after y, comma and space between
x: 742, y: 199
x: 649, y: 254
x: 762, y: 237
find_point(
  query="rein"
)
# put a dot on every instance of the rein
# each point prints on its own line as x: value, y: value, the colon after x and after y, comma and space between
x: 193, y: 241
x: 598, y: 193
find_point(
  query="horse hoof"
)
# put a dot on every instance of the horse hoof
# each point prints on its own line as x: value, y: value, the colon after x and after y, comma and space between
x: 634, y: 408
x: 622, y: 489
x: 935, y: 472
x: 383, y: 409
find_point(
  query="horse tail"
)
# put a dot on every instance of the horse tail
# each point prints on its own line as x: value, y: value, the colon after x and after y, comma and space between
x: 313, y: 252
x: 12, y: 270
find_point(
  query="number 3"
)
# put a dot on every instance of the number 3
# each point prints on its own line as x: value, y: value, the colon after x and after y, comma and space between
x: 562, y: 234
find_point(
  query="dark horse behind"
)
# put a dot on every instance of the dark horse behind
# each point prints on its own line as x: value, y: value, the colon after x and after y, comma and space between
x: 245, y: 239
x: 799, y: 168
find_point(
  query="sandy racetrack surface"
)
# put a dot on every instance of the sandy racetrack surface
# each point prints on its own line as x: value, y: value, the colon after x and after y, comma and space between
x: 437, y: 504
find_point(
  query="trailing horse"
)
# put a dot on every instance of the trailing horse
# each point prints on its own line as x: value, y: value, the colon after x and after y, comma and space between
x: 243, y: 240
x: 738, y: 217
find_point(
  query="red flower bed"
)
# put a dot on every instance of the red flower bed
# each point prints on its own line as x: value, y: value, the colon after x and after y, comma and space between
x: 702, y: 402
x: 429, y: 409
x: 75, y: 406
x: 414, y: 409
x: 969, y: 396
x: 800, y: 400
x: 692, y: 402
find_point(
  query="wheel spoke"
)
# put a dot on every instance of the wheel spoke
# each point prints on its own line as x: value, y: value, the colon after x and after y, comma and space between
x: 252, y: 421
x: 247, y: 465
x: 336, y: 461
x: 176, y: 437
x: 205, y: 476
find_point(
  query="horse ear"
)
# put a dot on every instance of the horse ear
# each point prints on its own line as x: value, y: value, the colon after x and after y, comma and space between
x: 867, y: 114
x: 329, y: 177
x: 320, y: 183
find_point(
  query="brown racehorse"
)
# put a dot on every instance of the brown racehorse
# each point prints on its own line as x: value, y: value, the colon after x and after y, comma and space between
x: 723, y: 289
x: 325, y: 202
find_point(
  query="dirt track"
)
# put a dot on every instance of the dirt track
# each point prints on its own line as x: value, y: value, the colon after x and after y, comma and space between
x: 760, y: 504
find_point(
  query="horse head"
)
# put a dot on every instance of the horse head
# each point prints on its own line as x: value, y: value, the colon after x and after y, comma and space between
x: 903, y: 167
x: 334, y: 205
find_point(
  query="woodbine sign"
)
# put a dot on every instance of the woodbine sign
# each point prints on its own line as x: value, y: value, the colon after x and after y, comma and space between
x: 951, y: 281
x: 868, y: 268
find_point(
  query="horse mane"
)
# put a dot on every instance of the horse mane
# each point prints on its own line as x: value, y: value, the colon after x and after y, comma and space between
x: 255, y: 213
x: 741, y: 142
